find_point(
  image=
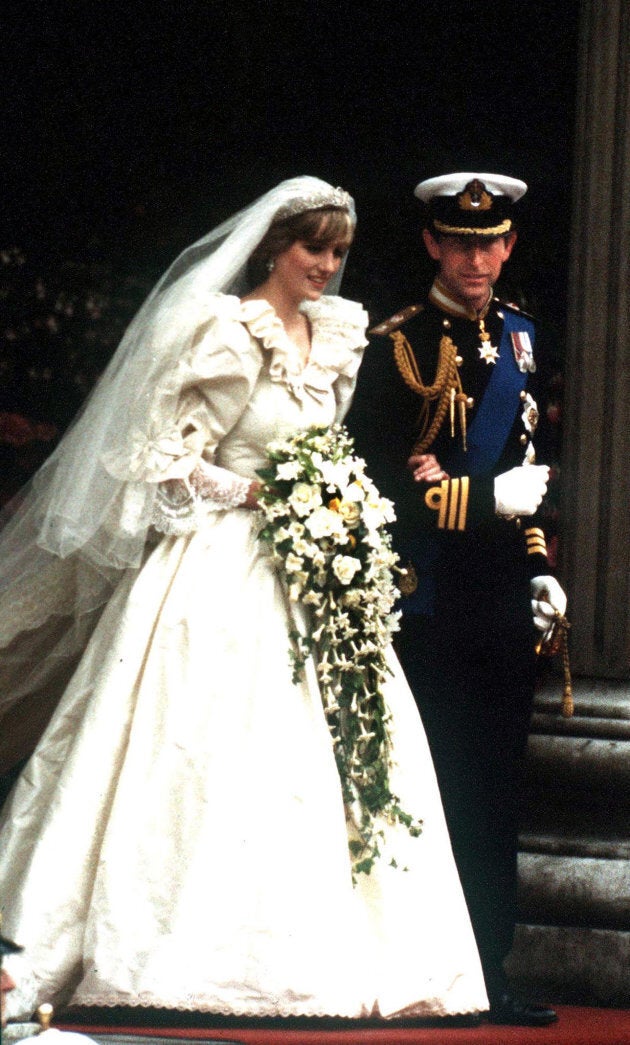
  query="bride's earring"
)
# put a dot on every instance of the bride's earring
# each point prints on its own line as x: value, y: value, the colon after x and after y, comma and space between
x: 271, y: 265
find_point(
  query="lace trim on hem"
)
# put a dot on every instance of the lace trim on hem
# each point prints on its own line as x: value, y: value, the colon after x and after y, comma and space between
x: 146, y: 1001
x: 433, y: 1007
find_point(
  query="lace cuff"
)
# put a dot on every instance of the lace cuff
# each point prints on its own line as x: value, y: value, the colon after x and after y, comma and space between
x: 181, y: 504
x: 218, y: 487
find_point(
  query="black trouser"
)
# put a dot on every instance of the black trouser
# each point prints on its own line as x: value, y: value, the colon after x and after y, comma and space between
x: 474, y: 690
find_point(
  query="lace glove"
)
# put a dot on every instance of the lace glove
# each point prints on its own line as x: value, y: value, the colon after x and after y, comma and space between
x: 520, y: 491
x: 548, y: 599
x: 181, y: 504
x: 219, y: 488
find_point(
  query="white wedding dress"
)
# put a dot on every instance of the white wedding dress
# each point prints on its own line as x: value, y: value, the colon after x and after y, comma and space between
x: 178, y: 838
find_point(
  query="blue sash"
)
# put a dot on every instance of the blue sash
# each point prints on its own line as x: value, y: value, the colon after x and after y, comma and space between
x: 486, y: 440
x: 493, y: 421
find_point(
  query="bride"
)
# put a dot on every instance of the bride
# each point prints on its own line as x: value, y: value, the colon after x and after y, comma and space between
x: 178, y: 838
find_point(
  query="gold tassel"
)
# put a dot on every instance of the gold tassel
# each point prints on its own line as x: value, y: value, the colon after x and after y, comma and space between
x: 463, y: 404
x: 557, y: 641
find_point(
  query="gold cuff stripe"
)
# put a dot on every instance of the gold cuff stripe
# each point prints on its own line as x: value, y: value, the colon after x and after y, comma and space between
x: 457, y: 230
x: 450, y: 501
x: 452, y: 513
x: 536, y: 548
x: 536, y: 544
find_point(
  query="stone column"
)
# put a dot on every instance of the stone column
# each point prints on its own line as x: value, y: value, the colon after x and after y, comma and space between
x: 596, y: 436
x: 573, y: 940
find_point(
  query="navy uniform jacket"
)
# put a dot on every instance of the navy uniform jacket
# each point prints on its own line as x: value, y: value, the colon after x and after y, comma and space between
x: 463, y: 554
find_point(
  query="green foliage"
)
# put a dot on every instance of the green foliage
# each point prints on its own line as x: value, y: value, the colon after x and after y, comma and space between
x: 325, y: 526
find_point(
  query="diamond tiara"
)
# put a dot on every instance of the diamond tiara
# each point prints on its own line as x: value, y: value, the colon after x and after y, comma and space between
x: 314, y: 200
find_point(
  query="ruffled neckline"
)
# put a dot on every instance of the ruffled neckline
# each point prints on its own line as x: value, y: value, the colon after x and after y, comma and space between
x: 338, y: 339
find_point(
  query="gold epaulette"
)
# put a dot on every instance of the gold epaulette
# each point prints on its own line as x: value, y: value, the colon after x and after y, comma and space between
x: 513, y: 307
x: 396, y: 320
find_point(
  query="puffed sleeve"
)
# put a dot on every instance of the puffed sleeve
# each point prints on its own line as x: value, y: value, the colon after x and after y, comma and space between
x: 192, y: 410
x: 211, y: 388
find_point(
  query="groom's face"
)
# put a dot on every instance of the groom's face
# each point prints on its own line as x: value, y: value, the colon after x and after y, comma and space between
x: 470, y: 265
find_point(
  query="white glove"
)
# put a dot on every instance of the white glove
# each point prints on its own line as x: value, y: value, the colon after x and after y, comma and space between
x: 520, y: 491
x: 548, y: 599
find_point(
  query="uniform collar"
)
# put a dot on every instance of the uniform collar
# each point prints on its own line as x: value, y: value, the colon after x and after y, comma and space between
x: 442, y: 299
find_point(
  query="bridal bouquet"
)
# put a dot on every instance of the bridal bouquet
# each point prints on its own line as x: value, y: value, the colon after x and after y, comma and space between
x: 325, y: 525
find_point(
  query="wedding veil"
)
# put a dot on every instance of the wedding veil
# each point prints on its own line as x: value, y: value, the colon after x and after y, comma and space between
x: 84, y: 516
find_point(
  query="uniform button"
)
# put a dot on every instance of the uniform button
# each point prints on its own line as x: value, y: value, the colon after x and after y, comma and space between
x: 458, y: 360
x: 523, y: 394
x: 523, y: 439
x: 446, y: 323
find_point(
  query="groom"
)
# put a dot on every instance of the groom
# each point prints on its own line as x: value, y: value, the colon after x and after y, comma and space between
x: 445, y: 415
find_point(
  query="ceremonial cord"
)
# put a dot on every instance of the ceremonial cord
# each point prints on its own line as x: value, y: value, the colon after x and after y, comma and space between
x: 446, y: 389
x: 557, y: 642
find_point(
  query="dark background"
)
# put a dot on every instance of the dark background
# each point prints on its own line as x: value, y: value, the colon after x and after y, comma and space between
x: 131, y: 129
x: 136, y: 127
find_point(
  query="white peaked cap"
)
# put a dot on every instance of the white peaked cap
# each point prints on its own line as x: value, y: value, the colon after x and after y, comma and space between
x: 451, y: 184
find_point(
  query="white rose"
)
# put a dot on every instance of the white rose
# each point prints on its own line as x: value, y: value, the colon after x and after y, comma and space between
x: 324, y: 523
x: 350, y: 512
x: 305, y: 498
x: 345, y: 567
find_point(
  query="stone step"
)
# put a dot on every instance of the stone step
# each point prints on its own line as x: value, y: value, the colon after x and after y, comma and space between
x: 613, y: 847
x: 582, y: 761
x: 569, y: 890
x: 573, y: 940
x: 571, y: 966
x: 593, y: 698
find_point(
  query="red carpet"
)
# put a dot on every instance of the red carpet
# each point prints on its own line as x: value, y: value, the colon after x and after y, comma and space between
x: 575, y: 1026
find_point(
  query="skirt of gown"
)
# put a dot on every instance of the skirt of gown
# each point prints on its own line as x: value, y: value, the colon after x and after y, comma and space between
x: 178, y: 838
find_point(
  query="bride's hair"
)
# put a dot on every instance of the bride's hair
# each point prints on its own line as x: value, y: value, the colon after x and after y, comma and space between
x: 322, y: 226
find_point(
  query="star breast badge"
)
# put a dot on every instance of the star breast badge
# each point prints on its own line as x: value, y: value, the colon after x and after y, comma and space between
x: 488, y: 352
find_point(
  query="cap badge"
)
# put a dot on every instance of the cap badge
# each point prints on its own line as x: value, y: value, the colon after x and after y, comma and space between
x: 474, y: 197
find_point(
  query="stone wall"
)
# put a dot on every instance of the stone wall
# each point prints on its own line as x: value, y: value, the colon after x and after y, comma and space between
x: 573, y: 943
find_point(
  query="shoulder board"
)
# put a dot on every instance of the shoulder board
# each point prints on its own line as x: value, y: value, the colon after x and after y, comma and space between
x: 513, y: 308
x: 396, y: 320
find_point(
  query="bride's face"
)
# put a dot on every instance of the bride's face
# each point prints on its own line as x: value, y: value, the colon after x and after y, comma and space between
x: 304, y: 269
